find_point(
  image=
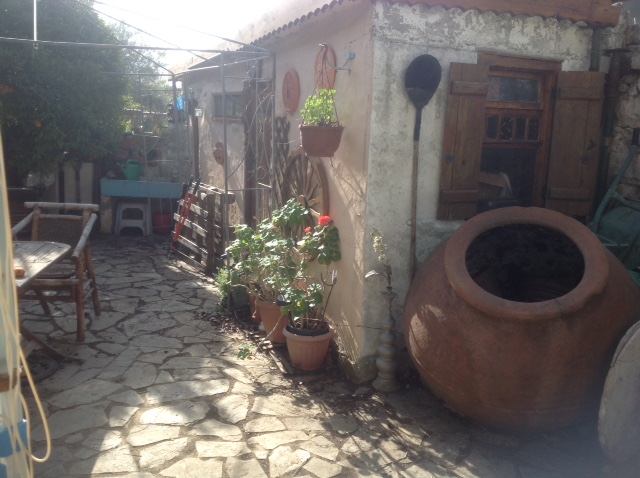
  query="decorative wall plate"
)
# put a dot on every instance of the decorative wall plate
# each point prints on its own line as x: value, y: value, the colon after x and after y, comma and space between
x: 291, y: 91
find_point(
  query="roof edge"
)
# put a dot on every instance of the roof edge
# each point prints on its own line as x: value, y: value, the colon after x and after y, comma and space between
x: 592, y: 12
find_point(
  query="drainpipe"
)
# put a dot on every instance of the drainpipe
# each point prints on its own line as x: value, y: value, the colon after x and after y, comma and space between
x: 596, y: 47
x: 611, y: 95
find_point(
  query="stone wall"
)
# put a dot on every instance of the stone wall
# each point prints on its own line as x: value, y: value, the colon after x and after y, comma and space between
x: 627, y: 114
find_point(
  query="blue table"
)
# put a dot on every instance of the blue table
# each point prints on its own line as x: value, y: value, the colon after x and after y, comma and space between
x: 140, y: 189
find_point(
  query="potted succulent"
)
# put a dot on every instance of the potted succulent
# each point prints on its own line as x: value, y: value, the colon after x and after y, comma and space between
x: 308, y: 333
x: 320, y: 130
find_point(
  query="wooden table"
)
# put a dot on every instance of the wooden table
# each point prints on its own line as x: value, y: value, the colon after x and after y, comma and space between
x: 35, y: 257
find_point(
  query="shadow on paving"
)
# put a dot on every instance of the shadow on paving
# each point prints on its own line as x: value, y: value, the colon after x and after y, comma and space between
x: 157, y: 390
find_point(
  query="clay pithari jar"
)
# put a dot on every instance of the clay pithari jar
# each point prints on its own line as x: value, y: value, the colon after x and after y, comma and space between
x: 513, y: 321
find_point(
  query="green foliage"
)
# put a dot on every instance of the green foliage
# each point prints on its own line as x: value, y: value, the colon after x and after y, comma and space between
x: 244, y: 352
x: 268, y: 262
x: 305, y: 305
x: 229, y: 283
x: 320, y: 109
x: 265, y: 258
x: 321, y: 244
x: 59, y: 103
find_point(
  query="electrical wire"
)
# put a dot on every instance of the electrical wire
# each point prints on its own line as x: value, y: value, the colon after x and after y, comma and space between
x: 110, y: 33
x: 107, y: 46
x: 147, y: 33
x: 179, y: 26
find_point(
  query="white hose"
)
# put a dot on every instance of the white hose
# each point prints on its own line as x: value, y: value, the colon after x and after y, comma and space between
x: 13, y: 408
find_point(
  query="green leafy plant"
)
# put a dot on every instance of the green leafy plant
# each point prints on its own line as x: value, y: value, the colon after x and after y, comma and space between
x: 228, y: 281
x: 244, y: 352
x: 321, y: 243
x: 320, y: 109
x: 266, y: 259
x: 270, y: 265
x: 308, y: 298
x: 307, y: 302
x: 57, y: 105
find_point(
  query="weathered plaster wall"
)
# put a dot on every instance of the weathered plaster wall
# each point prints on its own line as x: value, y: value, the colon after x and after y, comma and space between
x: 346, y: 30
x: 627, y: 114
x: 370, y: 176
x: 204, y: 85
x: 401, y: 33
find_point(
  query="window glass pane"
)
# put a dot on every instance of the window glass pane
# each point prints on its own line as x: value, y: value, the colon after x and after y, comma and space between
x: 506, y: 127
x: 238, y: 107
x: 233, y: 106
x: 492, y: 127
x: 521, y: 127
x: 513, y: 90
x: 534, y: 129
x: 229, y: 105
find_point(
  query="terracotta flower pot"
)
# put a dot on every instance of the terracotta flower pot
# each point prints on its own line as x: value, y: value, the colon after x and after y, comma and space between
x: 272, y: 318
x: 307, y: 352
x: 321, y: 141
x: 514, y: 320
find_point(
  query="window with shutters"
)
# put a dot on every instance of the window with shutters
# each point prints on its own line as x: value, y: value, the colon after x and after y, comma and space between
x: 538, y: 141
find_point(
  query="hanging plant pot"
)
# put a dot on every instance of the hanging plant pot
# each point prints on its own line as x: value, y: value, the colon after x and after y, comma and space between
x: 307, y: 352
x: 321, y: 141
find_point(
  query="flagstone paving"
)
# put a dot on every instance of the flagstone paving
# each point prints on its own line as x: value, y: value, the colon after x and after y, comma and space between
x: 158, y: 391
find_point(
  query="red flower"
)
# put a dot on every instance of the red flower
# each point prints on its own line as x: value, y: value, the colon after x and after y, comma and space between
x: 308, y: 230
x: 324, y: 221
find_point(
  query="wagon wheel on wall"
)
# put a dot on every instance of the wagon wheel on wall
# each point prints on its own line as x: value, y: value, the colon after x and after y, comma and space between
x: 305, y: 180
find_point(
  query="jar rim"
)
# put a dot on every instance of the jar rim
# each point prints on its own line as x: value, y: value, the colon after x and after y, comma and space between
x: 594, y: 255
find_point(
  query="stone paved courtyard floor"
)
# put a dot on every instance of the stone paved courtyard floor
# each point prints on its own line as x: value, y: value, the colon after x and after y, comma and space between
x: 158, y: 391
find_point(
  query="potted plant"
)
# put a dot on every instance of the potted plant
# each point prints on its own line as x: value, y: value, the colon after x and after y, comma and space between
x: 308, y: 333
x: 266, y: 262
x: 320, y: 131
x: 231, y: 290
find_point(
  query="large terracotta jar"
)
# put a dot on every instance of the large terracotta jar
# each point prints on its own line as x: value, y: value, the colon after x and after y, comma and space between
x: 514, y: 320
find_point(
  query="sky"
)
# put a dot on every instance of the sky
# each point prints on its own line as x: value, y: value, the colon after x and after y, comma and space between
x: 179, y: 21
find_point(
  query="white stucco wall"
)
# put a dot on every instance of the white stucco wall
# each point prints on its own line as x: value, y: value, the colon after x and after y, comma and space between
x: 205, y: 85
x: 347, y: 30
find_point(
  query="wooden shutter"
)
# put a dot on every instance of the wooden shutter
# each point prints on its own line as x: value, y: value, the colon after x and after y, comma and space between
x: 575, y: 143
x: 463, y: 134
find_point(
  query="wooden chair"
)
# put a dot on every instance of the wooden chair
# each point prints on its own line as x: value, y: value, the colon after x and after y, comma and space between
x: 73, y: 278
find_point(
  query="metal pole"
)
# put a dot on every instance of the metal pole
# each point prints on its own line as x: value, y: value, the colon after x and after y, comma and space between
x: 225, y: 219
x: 35, y: 20
x: 187, y: 128
x: 273, y: 131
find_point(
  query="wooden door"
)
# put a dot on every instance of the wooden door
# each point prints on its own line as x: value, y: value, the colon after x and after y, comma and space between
x: 464, y: 130
x: 575, y: 143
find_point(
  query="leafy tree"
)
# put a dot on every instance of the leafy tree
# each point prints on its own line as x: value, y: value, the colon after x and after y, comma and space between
x: 148, y: 93
x: 60, y: 103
